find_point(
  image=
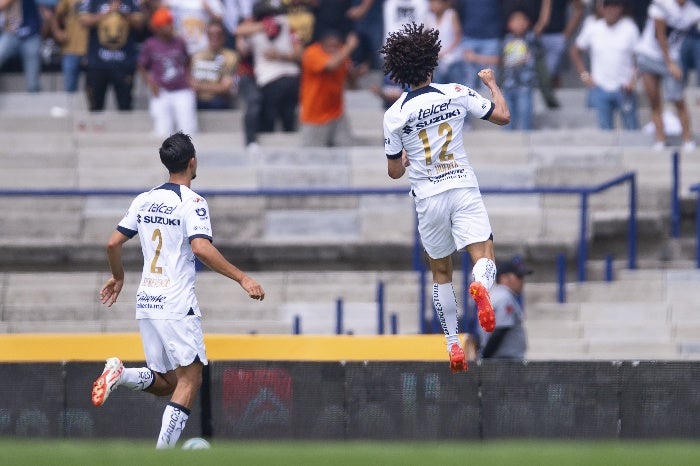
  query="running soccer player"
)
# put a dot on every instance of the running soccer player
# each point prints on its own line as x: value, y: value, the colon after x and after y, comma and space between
x: 173, y: 224
x: 423, y: 133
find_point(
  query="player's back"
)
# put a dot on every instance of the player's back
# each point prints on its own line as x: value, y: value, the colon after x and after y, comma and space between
x: 167, y: 218
x: 428, y: 124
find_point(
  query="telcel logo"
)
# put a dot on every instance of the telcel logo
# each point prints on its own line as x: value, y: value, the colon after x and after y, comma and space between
x: 161, y: 208
x: 426, y: 112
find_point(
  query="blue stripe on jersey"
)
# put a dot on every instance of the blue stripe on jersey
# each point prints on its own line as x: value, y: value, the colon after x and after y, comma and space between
x: 418, y: 92
x: 126, y: 232
x: 394, y: 156
x: 199, y: 236
x: 172, y: 187
x: 488, y: 114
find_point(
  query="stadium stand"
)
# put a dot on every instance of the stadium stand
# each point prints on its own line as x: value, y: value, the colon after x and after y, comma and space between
x: 310, y: 251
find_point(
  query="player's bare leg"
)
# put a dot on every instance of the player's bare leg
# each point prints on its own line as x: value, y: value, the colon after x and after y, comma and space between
x: 445, y: 303
x: 483, y: 274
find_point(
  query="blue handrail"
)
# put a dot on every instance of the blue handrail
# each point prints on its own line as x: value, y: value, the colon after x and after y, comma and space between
x: 696, y: 188
x: 583, y: 191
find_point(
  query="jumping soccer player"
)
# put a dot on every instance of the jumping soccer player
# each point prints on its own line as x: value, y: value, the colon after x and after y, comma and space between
x: 423, y: 132
x: 174, y: 226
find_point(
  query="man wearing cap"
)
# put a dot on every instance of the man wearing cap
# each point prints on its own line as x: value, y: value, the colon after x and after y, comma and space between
x: 164, y: 65
x: 508, y: 340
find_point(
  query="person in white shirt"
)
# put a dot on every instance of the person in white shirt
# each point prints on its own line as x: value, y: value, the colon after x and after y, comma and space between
x: 610, y: 41
x: 443, y: 17
x: 423, y: 135
x: 658, y: 59
x: 174, y: 226
x: 191, y: 19
x: 396, y: 13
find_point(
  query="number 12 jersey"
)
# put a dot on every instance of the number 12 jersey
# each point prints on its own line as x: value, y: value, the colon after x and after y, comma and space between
x: 428, y: 124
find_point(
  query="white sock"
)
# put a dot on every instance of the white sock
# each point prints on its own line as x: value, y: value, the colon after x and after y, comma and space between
x: 174, y: 420
x: 137, y: 378
x: 445, y: 303
x: 484, y: 272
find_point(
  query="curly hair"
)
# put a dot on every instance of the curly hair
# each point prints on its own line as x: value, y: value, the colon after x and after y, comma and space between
x: 411, y: 54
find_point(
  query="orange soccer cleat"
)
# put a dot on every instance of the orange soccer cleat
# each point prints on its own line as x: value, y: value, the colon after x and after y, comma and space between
x: 107, y: 382
x: 458, y: 361
x: 487, y: 319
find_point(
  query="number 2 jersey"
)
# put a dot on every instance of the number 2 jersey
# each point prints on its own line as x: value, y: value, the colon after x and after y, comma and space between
x: 166, y: 219
x: 428, y: 123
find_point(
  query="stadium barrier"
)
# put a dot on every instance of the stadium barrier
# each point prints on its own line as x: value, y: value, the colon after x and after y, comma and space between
x: 584, y: 192
x: 345, y: 387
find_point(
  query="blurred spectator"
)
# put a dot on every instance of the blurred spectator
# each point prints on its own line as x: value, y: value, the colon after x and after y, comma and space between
x: 325, y: 66
x: 482, y: 31
x: 164, y: 66
x: 444, y: 18
x: 111, y: 58
x: 658, y: 59
x: 564, y: 21
x: 389, y: 91
x: 554, y: 22
x: 509, y: 339
x: 519, y: 75
x: 20, y: 34
x: 690, y: 53
x: 234, y: 13
x: 276, y: 53
x: 213, y: 71
x: 370, y: 33
x: 398, y: 12
x: 300, y: 15
x: 191, y: 18
x: 249, y: 92
x: 610, y: 42
x: 68, y: 31
x: 341, y: 16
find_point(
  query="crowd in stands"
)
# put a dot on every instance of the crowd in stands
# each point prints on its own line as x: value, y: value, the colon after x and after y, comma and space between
x: 287, y: 61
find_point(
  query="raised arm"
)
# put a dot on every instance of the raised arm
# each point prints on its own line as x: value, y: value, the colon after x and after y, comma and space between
x: 501, y: 113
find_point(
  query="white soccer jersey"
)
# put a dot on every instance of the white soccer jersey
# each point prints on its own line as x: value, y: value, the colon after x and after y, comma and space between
x: 428, y: 124
x: 166, y: 219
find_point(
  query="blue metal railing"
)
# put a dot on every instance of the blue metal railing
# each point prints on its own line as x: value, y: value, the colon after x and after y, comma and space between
x: 418, y: 264
x: 696, y: 188
x: 675, y: 196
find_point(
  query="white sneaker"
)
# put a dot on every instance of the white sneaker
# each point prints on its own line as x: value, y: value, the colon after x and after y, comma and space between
x: 107, y: 382
x: 688, y: 146
x: 659, y: 146
x: 253, y: 148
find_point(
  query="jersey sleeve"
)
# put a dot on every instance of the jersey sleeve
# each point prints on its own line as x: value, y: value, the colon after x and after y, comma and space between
x: 128, y: 226
x: 392, y: 135
x: 477, y: 105
x: 197, y: 220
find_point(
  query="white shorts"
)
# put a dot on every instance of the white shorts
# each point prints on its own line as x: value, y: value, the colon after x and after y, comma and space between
x: 451, y: 220
x: 170, y: 343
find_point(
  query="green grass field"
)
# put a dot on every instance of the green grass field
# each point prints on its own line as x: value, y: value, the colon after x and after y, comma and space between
x: 19, y: 452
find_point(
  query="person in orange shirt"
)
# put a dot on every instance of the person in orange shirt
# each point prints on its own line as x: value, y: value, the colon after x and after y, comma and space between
x: 325, y: 67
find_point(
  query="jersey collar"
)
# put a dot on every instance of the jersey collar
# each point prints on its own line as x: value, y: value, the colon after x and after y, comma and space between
x: 418, y: 92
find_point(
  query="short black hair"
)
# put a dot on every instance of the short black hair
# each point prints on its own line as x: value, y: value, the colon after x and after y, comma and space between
x: 411, y: 54
x: 176, y: 152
